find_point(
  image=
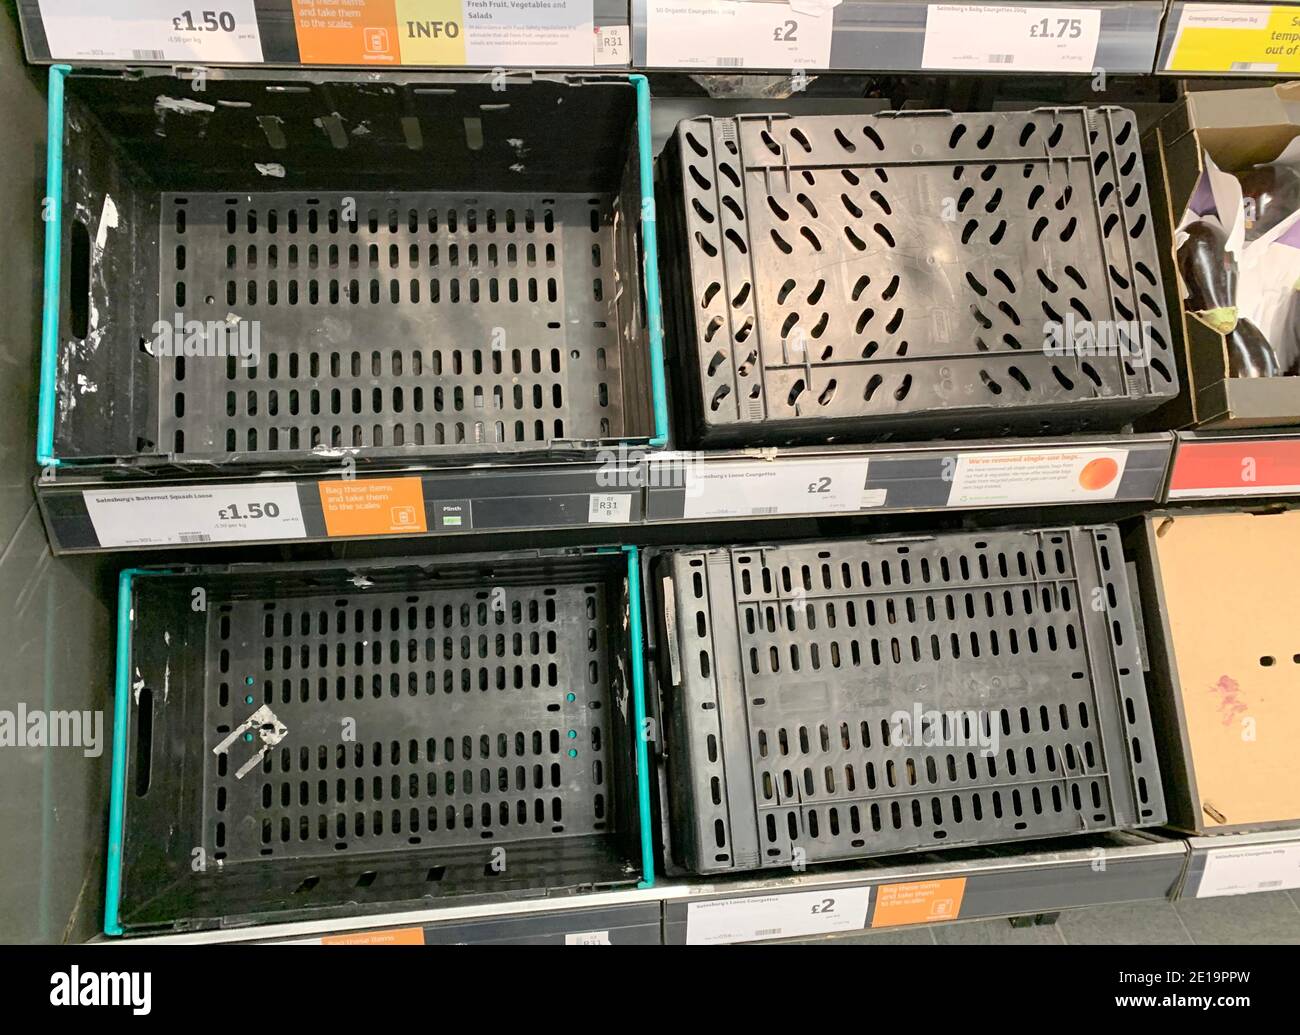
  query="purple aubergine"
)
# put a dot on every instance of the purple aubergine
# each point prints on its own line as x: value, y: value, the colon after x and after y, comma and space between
x: 1269, y: 193
x: 1210, y: 276
x: 1249, y: 353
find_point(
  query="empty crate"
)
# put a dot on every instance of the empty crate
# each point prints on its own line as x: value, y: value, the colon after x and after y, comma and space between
x: 924, y: 273
x: 314, y: 740
x: 838, y: 700
x: 280, y: 267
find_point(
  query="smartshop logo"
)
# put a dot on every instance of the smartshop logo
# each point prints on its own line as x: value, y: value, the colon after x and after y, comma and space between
x: 91, y: 988
x: 34, y: 728
x: 1127, y: 339
x: 220, y: 339
x: 928, y: 727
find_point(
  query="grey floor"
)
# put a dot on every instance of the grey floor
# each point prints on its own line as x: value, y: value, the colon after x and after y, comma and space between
x: 1271, y: 918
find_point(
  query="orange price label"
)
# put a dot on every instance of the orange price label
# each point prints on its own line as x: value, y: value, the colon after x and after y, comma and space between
x: 918, y: 902
x: 371, y: 506
x: 397, y: 936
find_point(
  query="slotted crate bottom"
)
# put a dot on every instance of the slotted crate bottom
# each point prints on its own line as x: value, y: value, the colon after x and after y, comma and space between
x: 841, y: 700
x: 848, y: 268
x: 421, y: 720
x: 419, y: 320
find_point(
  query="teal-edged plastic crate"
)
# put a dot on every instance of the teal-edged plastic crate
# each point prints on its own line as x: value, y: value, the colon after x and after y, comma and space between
x: 275, y: 268
x: 314, y: 740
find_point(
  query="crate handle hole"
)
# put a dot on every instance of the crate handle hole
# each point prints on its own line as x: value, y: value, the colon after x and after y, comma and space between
x: 307, y: 884
x: 79, y: 281
x: 143, y: 741
x: 366, y: 879
x: 473, y: 133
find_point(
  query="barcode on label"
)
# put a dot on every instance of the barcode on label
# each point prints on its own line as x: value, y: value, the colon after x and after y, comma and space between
x: 765, y: 932
x: 763, y: 510
x: 1253, y: 66
x: 1002, y: 59
x: 730, y: 62
x: 1269, y: 884
x: 194, y: 537
x: 148, y: 55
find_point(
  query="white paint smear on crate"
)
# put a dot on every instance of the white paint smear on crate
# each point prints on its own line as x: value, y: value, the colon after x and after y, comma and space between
x: 195, y: 515
x: 1011, y: 39
x: 1242, y: 871
x: 152, y: 30
x: 789, y: 915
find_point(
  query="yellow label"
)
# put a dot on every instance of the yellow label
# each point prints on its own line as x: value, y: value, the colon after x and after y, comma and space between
x: 1237, y: 38
x: 431, y: 32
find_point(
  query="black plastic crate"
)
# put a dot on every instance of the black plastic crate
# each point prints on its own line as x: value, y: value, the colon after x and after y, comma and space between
x: 317, y: 739
x: 420, y: 268
x: 898, y: 273
x: 838, y: 700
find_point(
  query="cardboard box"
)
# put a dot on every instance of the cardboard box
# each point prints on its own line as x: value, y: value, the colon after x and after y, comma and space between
x: 1238, y: 128
x: 1221, y: 595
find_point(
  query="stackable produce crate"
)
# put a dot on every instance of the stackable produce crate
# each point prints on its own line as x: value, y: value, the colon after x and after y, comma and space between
x: 837, y: 700
x: 897, y: 273
x: 429, y: 266
x: 313, y: 740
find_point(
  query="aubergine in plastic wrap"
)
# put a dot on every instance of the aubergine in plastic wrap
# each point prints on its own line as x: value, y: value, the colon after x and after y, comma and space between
x: 1269, y: 193
x: 1209, y: 275
x: 1249, y: 353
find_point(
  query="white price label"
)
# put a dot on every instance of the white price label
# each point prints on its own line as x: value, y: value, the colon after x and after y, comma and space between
x: 610, y: 508
x: 224, y: 31
x: 1019, y: 39
x: 746, y: 488
x: 791, y: 915
x: 612, y: 46
x: 1242, y: 871
x: 184, y: 515
x: 737, y: 34
x: 1034, y: 476
x: 587, y: 938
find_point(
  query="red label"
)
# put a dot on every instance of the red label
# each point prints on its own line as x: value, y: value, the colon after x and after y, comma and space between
x: 1239, y: 468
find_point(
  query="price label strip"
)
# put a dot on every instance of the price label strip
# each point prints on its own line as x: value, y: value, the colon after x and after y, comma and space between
x: 748, y: 488
x: 791, y: 915
x: 224, y: 32
x: 1020, y: 39
x: 737, y: 34
x: 1236, y: 38
x: 185, y: 516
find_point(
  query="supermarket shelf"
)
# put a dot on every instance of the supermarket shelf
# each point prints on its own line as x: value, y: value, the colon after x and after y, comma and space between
x: 882, y: 36
x: 1212, y: 465
x: 983, y: 883
x: 1240, y: 864
x: 1228, y: 39
x: 626, y: 487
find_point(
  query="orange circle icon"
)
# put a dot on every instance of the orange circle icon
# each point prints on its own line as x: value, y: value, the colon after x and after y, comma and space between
x: 1097, y: 474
